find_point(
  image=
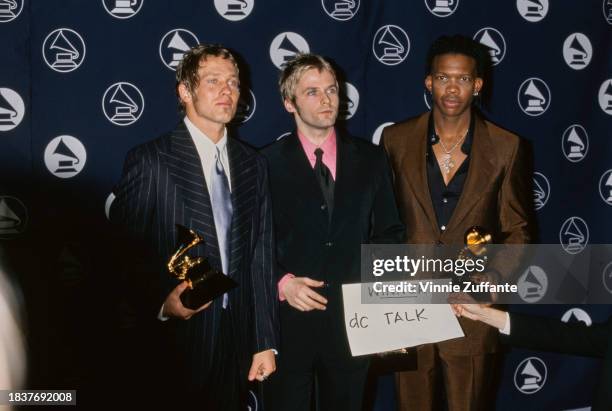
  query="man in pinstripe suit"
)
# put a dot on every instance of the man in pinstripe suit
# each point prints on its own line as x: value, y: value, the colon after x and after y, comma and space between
x: 198, y: 177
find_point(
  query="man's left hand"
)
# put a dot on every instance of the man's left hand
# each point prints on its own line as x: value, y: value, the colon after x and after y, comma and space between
x: 262, y: 366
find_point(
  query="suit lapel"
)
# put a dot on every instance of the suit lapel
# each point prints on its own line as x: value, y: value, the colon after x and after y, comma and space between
x: 345, y: 183
x: 243, y: 174
x: 414, y: 159
x: 479, y: 174
x: 192, y: 206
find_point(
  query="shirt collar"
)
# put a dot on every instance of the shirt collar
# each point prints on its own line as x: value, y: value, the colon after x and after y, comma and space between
x: 328, y: 146
x: 202, y: 139
x: 432, y: 137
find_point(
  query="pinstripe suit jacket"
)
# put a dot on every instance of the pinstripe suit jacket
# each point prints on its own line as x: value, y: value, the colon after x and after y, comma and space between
x: 163, y: 185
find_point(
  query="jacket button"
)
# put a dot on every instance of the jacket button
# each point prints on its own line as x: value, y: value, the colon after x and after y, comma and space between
x: 329, y: 244
x: 323, y: 206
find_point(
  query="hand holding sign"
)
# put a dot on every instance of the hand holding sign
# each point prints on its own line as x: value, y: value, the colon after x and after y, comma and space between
x: 375, y: 328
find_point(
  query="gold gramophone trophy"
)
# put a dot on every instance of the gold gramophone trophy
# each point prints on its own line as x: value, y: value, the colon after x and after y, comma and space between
x: 204, y: 282
x: 476, y: 241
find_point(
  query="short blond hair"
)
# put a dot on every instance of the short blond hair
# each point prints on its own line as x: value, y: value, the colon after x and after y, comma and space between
x: 295, y: 69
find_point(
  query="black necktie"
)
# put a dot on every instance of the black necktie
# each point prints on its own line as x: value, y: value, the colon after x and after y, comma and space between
x: 325, y: 181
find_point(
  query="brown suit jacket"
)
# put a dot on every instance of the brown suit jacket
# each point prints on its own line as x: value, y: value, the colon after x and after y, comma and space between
x: 497, y: 195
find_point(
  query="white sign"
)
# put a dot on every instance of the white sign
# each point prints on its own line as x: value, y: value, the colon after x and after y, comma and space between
x: 375, y: 328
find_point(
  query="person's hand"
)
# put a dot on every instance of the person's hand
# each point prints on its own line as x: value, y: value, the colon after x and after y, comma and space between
x: 301, y: 296
x: 173, y: 307
x: 464, y: 305
x: 262, y: 366
x: 471, y: 311
x: 480, y: 312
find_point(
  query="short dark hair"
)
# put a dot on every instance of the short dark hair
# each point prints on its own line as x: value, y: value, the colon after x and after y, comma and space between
x: 295, y: 69
x: 458, y: 44
x: 187, y: 70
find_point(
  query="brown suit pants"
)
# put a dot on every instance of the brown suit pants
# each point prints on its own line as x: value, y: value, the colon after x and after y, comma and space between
x: 469, y: 381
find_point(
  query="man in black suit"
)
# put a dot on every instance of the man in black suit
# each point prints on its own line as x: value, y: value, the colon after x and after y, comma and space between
x: 330, y: 194
x: 548, y: 334
x: 200, y: 178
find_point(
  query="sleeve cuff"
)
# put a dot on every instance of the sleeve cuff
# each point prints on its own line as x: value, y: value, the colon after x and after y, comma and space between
x: 506, y: 329
x: 281, y: 295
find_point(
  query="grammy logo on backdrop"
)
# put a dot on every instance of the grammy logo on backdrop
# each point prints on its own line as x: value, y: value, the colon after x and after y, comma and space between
x: 391, y: 45
x: 8, y: 113
x: 66, y: 55
x: 174, y: 45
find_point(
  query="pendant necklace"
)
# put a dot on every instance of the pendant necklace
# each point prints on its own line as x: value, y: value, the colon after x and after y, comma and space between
x: 447, y: 162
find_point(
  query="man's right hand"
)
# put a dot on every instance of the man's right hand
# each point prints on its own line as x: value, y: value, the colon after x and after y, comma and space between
x: 173, y: 307
x: 301, y: 296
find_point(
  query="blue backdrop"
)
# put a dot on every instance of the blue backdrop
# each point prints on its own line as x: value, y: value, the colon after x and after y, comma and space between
x: 83, y: 81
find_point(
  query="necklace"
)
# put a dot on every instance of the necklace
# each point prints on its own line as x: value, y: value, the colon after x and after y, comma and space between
x: 447, y: 160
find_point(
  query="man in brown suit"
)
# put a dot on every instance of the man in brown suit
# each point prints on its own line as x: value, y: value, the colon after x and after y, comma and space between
x: 454, y: 170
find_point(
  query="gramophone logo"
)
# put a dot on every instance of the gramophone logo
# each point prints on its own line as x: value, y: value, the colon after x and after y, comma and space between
x: 534, y: 97
x: 427, y: 98
x: 13, y: 217
x: 577, y: 51
x: 532, y: 10
x: 65, y: 156
x: 607, y: 10
x: 605, y: 187
x: 122, y: 104
x: 246, y: 107
x: 174, y: 45
x: 64, y: 50
x: 494, y: 41
x: 234, y: 10
x: 577, y: 315
x: 122, y: 9
x: 340, y: 10
x: 533, y: 284
x: 442, y: 8
x: 541, y: 190
x: 391, y: 45
x: 574, y: 235
x: 285, y: 46
x: 349, y: 101
x: 378, y: 132
x: 607, y: 277
x: 605, y: 96
x: 575, y: 143
x: 10, y: 10
x: 12, y: 109
x: 530, y: 375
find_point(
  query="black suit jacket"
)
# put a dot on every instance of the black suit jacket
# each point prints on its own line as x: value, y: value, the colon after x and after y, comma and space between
x: 549, y: 334
x: 308, y: 244
x: 162, y: 185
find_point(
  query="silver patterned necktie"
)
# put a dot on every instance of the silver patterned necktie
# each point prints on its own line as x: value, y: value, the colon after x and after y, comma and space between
x: 221, y: 201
